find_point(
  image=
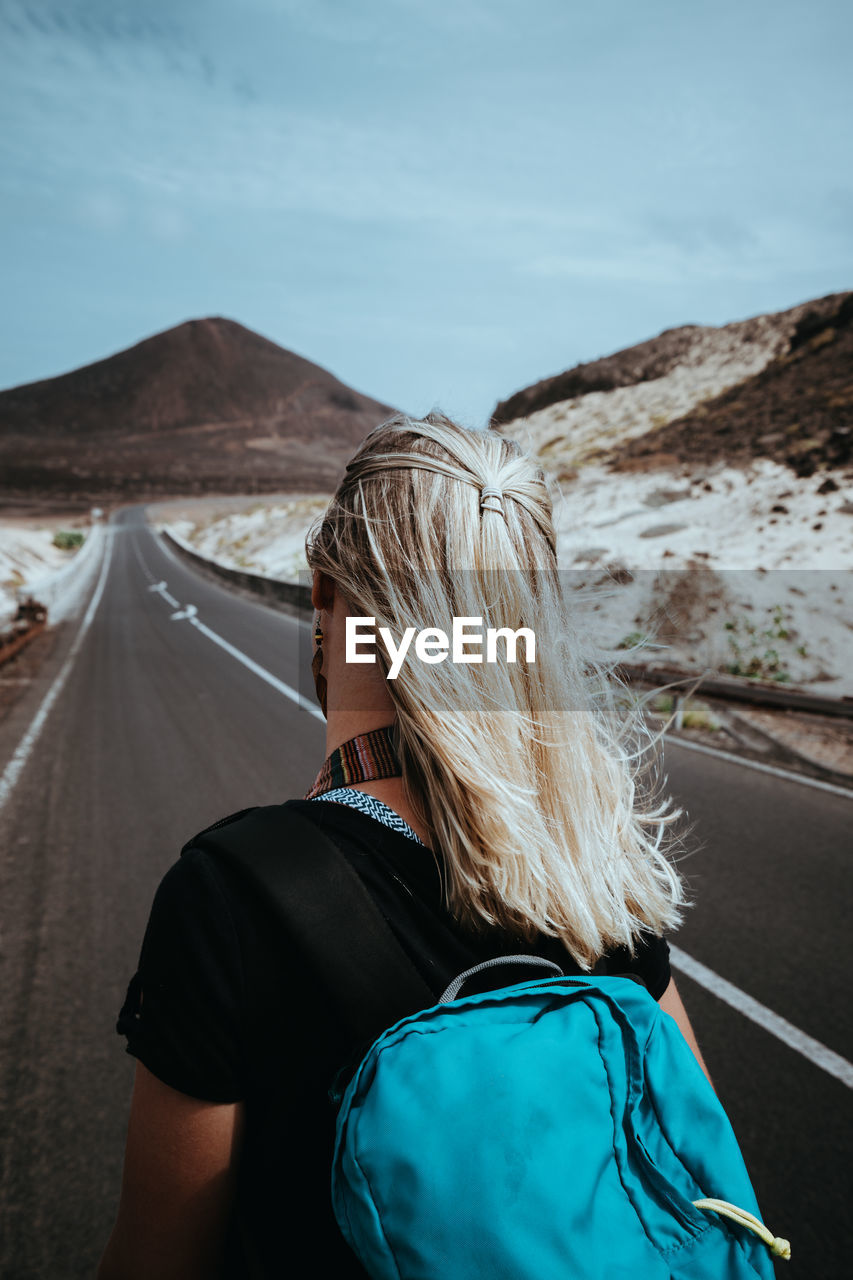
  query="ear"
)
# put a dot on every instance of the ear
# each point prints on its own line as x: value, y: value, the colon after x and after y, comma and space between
x: 322, y: 591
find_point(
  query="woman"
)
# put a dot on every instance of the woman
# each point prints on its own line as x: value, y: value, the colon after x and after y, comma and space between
x: 489, y: 808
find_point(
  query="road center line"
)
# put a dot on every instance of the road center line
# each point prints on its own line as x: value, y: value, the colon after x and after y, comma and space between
x: 829, y: 1061
x: 279, y: 685
x: 160, y: 588
x: 24, y: 748
x: 258, y: 670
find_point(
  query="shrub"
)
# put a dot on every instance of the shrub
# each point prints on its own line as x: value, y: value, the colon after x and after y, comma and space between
x: 698, y: 715
x: 69, y: 539
x: 755, y: 652
x: 632, y: 640
x: 695, y: 714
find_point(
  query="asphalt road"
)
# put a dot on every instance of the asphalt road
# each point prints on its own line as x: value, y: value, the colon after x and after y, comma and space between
x: 158, y: 731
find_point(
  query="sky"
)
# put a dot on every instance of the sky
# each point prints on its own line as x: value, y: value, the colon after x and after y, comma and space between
x: 441, y: 201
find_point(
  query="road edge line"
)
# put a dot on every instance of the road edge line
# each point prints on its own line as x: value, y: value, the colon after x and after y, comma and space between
x: 21, y: 754
x: 773, y: 769
x: 818, y: 1054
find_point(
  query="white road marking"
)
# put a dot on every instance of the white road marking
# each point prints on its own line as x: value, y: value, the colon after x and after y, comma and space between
x: 258, y: 670
x: 764, y: 768
x: 189, y: 613
x: 829, y: 1061
x: 21, y: 754
x: 160, y: 588
x: 166, y: 550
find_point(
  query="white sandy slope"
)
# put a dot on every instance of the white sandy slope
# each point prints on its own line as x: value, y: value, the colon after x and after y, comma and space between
x: 572, y: 432
x: 704, y: 550
x: 719, y: 576
x: 266, y: 538
x: 27, y: 555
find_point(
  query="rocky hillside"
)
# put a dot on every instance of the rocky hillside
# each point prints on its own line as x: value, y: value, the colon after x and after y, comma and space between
x: 778, y: 386
x: 707, y: 493
x: 798, y: 410
x: 206, y: 407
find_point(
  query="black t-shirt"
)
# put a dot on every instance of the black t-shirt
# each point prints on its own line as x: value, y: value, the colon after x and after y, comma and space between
x: 232, y: 1012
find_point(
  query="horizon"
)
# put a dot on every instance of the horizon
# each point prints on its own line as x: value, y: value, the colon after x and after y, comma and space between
x: 366, y: 392
x: 440, y: 207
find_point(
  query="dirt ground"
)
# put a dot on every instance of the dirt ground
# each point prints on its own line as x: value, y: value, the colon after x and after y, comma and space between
x: 793, y: 740
x: 825, y: 740
x: 18, y: 673
x: 49, y: 518
x: 206, y: 509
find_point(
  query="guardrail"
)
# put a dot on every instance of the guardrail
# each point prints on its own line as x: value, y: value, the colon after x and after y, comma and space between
x: 710, y: 684
x: 291, y: 596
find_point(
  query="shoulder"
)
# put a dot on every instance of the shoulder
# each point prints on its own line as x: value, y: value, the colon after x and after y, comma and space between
x: 192, y: 894
x: 184, y: 1011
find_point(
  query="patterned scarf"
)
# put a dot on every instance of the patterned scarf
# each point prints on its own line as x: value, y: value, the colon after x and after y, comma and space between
x: 363, y: 758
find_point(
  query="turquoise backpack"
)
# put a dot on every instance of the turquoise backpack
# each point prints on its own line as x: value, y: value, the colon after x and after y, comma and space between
x: 554, y: 1129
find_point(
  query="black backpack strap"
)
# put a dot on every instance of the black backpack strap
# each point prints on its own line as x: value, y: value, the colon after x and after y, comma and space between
x: 327, y: 911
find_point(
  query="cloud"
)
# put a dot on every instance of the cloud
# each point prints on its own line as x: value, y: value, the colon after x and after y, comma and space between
x: 691, y: 245
x: 102, y: 103
x: 703, y: 233
x: 102, y: 210
x: 99, y: 38
x: 402, y: 157
x: 96, y: 25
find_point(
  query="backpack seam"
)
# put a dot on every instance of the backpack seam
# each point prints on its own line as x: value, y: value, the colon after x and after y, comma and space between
x: 665, y: 1253
x: 707, y: 1226
x: 674, y: 1249
x: 384, y: 1234
x: 613, y: 1119
x: 653, y: 1103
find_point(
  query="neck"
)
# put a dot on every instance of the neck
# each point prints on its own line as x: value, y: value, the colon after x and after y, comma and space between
x: 341, y: 726
x: 376, y: 759
x: 362, y: 758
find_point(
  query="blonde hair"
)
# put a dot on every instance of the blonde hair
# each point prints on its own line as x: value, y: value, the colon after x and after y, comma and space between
x: 522, y: 773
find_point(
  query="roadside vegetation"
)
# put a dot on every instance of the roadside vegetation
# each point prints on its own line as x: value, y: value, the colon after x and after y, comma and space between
x: 688, y: 713
x: 759, y: 652
x: 68, y: 539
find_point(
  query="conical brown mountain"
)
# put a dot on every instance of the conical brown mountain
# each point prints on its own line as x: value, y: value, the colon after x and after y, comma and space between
x: 206, y: 407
